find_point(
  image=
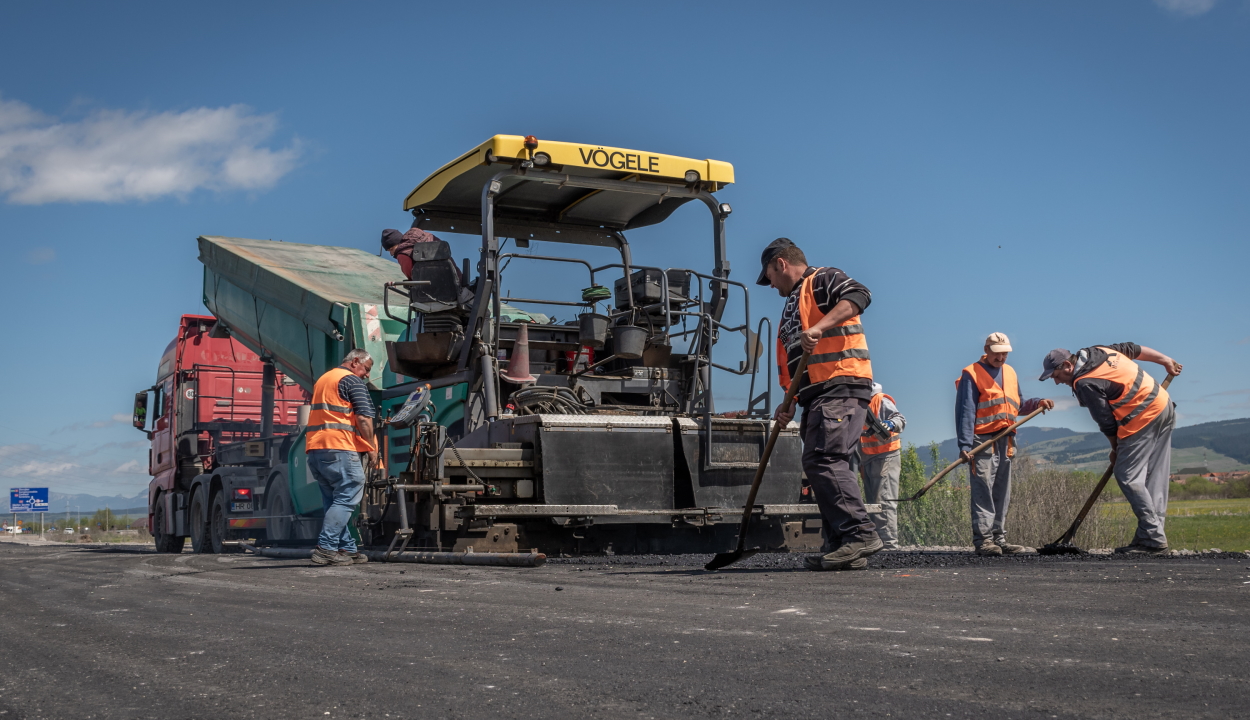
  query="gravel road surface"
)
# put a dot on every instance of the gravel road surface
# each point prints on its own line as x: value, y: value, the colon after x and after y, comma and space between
x: 126, y: 633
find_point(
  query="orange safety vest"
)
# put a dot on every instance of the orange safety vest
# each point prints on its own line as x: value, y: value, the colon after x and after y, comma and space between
x: 872, y: 444
x: 997, y: 406
x: 841, y: 352
x: 332, y: 421
x: 1143, y: 398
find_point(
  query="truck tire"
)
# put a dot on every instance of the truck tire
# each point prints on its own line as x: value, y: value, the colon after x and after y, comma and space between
x: 198, y: 519
x: 283, y: 523
x: 164, y: 543
x: 218, y: 527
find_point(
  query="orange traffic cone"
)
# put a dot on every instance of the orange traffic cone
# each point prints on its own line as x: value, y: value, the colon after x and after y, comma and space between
x: 519, y: 366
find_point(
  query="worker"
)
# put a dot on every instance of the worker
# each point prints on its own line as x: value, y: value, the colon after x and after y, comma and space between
x: 400, y: 245
x: 987, y: 402
x: 821, y: 317
x: 340, y: 428
x: 880, y: 461
x: 1137, y: 416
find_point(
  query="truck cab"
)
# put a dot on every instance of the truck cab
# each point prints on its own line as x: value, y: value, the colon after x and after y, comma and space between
x: 204, y: 410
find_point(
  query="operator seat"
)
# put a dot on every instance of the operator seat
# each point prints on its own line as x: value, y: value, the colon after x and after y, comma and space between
x: 432, y: 263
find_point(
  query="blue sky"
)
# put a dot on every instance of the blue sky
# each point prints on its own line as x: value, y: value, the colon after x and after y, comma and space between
x: 1069, y: 173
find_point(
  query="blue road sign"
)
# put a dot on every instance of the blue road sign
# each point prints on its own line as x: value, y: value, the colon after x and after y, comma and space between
x: 22, y: 500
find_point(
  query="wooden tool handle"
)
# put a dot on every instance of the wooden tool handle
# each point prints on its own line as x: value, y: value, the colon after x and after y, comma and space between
x: 974, y: 451
x: 768, y: 451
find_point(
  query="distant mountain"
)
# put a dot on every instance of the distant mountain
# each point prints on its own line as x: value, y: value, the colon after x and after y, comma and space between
x: 91, y: 503
x: 1227, y: 437
x: 1026, y: 436
x: 1215, y: 446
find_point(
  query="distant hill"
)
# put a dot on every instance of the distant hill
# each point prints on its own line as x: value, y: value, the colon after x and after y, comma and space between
x: 90, y: 503
x: 1215, y: 446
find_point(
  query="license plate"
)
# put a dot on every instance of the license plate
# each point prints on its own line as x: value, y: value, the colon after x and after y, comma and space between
x: 240, y: 507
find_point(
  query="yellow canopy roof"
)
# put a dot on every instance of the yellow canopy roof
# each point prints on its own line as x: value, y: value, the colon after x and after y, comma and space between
x: 455, y: 190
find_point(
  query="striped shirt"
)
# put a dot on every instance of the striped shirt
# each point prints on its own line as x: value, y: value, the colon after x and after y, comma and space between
x: 353, y: 389
x: 829, y: 287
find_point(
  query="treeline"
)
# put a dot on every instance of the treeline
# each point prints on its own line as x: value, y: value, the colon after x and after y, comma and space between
x: 1200, y: 488
x: 102, y: 520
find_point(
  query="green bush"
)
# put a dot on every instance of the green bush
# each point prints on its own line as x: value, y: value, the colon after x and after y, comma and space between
x: 1200, y: 488
x: 1044, y: 502
x: 942, y: 516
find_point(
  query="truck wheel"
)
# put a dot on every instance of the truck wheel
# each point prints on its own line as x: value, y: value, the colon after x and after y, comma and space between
x: 282, y: 521
x: 164, y: 543
x: 218, y: 529
x: 199, y: 522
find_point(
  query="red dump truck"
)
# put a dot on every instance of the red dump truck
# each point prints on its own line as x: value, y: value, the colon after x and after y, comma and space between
x: 208, y: 395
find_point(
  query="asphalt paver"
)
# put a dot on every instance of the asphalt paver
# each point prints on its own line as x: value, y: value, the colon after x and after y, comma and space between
x: 128, y: 633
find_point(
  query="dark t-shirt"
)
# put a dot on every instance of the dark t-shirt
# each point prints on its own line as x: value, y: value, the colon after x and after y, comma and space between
x: 829, y: 287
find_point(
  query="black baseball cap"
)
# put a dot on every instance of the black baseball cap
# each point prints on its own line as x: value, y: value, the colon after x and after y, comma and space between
x: 770, y: 253
x: 1052, y: 361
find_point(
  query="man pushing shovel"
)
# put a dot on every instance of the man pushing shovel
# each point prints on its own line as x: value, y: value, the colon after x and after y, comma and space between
x: 1137, y: 416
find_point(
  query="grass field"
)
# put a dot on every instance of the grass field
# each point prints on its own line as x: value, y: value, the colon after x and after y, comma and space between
x: 1199, y: 524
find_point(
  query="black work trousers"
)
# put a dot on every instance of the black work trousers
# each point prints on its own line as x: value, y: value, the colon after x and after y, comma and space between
x: 830, y: 428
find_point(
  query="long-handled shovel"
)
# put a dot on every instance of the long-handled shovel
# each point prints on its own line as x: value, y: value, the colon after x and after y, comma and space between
x: 723, y: 559
x: 920, y: 493
x: 1064, y: 546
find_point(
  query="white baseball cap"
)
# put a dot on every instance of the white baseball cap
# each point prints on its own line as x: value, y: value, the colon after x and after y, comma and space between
x: 997, y: 342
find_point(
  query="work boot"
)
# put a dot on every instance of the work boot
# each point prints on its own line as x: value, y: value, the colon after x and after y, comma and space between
x: 850, y: 552
x: 1009, y: 549
x: 321, y: 556
x: 1135, y: 549
x: 989, y: 549
x: 815, y: 562
x: 356, y: 557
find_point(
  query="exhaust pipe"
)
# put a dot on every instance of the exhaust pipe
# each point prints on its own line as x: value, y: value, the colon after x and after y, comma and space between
x: 283, y: 553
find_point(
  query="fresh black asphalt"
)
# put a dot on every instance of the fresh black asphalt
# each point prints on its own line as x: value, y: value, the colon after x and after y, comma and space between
x: 126, y: 633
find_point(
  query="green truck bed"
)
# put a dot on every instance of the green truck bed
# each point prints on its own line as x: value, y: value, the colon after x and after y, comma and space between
x: 303, y: 305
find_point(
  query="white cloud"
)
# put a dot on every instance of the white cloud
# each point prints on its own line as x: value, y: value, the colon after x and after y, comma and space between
x: 121, y: 417
x: 131, y: 467
x: 17, y: 450
x: 1065, y: 403
x: 107, y: 468
x: 119, y: 156
x: 40, y: 468
x: 1187, y: 8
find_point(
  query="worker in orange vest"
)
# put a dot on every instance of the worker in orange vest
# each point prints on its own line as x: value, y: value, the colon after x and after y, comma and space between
x: 880, y: 462
x: 988, y: 402
x: 1137, y: 415
x: 340, y: 429
x: 821, y: 317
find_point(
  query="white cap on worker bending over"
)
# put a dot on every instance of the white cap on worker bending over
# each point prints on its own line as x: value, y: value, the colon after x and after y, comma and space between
x: 876, y: 388
x: 997, y: 342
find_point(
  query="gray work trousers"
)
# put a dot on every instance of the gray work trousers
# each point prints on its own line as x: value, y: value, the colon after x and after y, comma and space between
x: 880, y: 474
x: 990, y: 478
x: 830, y: 429
x: 1142, y: 463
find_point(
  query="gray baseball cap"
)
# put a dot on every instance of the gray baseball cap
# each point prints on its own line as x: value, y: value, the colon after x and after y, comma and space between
x: 1052, y: 361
